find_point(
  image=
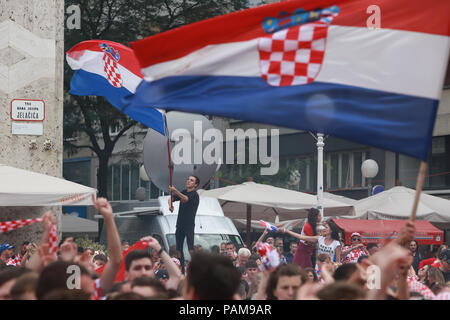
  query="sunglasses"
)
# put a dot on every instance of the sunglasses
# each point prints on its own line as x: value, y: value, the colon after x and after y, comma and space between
x: 356, y: 239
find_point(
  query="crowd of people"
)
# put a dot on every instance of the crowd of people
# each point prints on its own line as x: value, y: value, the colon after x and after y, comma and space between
x: 316, y: 266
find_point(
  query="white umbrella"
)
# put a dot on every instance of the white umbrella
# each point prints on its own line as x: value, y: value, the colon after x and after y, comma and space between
x: 397, y: 202
x: 20, y: 187
x: 269, y: 203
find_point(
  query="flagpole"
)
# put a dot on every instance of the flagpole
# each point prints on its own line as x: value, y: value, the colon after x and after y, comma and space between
x: 419, y: 185
x: 168, y: 153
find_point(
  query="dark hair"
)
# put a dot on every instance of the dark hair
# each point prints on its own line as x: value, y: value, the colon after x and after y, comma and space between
x: 417, y: 244
x: 158, y: 286
x: 334, y: 229
x: 125, y: 296
x: 213, y: 277
x: 308, y: 270
x: 101, y: 257
x: 241, y: 270
x: 136, y: 255
x: 10, y: 273
x: 371, y: 245
x: 434, y: 276
x: 251, y: 264
x: 66, y: 294
x: 197, y: 180
x: 215, y: 249
x: 344, y: 272
x: 54, y: 276
x: 341, y: 290
x: 117, y: 287
x: 25, y: 243
x: 362, y: 257
x: 312, y: 219
x: 24, y: 283
x: 289, y: 270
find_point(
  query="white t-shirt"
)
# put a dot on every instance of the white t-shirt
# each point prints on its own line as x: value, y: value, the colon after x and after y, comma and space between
x: 328, y: 249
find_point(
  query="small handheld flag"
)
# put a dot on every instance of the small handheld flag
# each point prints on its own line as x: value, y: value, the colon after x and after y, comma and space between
x: 269, y: 257
x: 267, y: 225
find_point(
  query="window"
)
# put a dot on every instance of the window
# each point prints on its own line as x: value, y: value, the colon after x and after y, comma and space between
x: 343, y: 169
x: 123, y: 181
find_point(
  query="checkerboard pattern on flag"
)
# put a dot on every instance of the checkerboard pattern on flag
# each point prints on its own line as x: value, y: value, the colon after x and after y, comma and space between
x: 354, y: 255
x: 6, y: 226
x: 294, y: 56
x: 53, y: 240
x: 112, y: 71
x: 416, y: 286
x: 17, y: 261
x: 15, y: 224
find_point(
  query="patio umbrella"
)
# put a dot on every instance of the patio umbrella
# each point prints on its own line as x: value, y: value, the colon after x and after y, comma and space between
x: 20, y: 187
x: 273, y: 204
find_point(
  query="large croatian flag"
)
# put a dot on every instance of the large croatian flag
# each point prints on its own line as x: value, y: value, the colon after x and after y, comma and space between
x: 110, y: 69
x: 311, y: 65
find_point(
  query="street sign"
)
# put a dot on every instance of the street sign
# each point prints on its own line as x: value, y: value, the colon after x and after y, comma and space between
x: 377, y: 189
x: 27, y: 110
x: 28, y: 129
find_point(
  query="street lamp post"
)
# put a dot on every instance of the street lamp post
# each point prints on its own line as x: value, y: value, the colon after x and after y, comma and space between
x: 320, y: 144
x: 369, y: 169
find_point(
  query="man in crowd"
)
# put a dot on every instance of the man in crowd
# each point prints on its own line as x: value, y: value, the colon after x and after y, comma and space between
x: 189, y: 201
x: 372, y: 248
x: 290, y: 254
x: 211, y: 277
x: 138, y: 263
x: 231, y: 251
x: 6, y: 252
x: 355, y: 250
x: 242, y: 257
x: 444, y: 267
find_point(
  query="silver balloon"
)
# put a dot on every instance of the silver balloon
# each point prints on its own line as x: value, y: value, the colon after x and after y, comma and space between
x: 156, y: 162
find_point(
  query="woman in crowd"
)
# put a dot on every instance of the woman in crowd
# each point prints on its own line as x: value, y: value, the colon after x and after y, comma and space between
x: 328, y: 243
x: 434, y: 280
x: 422, y: 273
x: 312, y: 275
x: 305, y: 249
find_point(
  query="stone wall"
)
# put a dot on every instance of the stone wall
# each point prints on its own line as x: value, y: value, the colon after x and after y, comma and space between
x: 31, y: 67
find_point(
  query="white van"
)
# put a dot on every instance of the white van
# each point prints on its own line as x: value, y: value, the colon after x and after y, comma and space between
x: 211, y: 225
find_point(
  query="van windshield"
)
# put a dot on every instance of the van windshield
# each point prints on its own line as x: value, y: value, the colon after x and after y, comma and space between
x: 207, y: 241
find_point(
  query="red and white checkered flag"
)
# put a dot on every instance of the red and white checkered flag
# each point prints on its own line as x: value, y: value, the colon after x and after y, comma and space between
x: 53, y: 240
x: 112, y: 71
x: 6, y: 226
x: 15, y: 224
x: 294, y: 56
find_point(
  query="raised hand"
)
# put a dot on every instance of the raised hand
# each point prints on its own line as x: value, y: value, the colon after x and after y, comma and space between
x: 152, y: 242
x: 68, y: 250
x: 103, y: 206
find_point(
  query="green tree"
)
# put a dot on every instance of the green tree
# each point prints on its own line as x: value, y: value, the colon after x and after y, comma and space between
x: 121, y: 21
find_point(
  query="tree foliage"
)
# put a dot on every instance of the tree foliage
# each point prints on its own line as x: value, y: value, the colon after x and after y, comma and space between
x: 121, y: 21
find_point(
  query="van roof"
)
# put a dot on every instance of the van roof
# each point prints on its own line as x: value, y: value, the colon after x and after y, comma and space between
x: 207, y: 207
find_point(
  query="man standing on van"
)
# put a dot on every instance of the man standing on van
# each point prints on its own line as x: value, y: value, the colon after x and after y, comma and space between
x: 189, y: 201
